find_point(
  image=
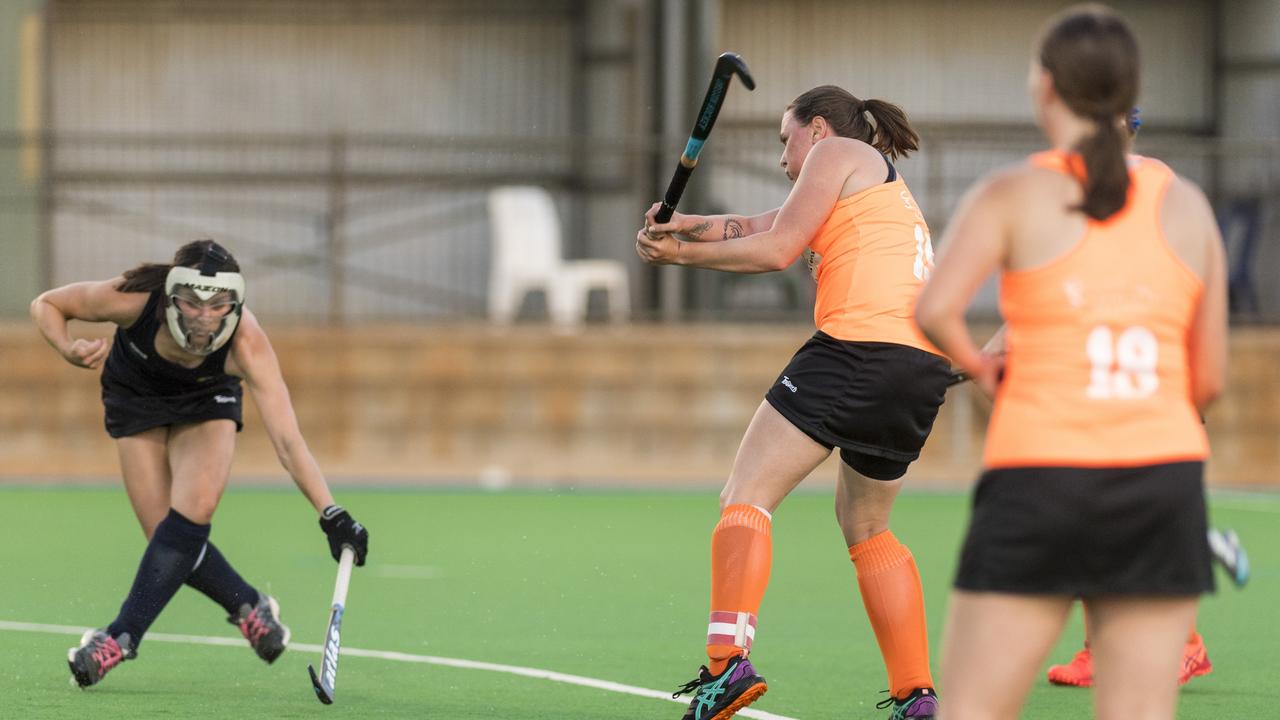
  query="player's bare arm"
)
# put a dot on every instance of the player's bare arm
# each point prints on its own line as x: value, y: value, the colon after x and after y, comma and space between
x: 96, y: 301
x: 253, y: 359
x: 710, y: 228
x: 816, y: 191
x: 1187, y: 213
x: 973, y: 248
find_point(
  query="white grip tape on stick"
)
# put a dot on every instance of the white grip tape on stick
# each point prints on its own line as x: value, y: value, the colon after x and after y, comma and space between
x: 345, y: 563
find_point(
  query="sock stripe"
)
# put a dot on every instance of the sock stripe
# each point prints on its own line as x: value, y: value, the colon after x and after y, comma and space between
x: 203, y: 549
x: 731, y: 628
x: 878, y: 553
x: 748, y: 516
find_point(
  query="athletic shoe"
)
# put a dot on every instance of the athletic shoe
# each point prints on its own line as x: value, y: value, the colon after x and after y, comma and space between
x: 260, y: 624
x: 97, y: 654
x: 921, y: 704
x: 1195, y: 661
x: 1230, y: 554
x: 717, y: 697
x: 1077, y: 673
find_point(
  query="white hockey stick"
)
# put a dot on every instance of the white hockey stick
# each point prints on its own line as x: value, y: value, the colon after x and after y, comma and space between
x: 328, y: 676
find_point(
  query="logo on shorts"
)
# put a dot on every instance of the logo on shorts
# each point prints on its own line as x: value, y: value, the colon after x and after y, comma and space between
x: 786, y: 382
x: 224, y: 399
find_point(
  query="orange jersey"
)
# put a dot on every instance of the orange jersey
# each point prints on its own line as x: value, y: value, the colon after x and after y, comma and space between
x: 1097, y: 370
x: 875, y: 256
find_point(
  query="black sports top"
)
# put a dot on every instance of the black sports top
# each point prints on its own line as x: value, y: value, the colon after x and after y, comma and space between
x: 135, y: 368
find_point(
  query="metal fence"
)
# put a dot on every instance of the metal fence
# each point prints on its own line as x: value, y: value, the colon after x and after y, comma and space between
x: 339, y: 229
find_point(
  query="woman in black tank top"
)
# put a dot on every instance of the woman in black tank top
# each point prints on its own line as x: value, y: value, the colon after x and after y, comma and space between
x: 171, y: 390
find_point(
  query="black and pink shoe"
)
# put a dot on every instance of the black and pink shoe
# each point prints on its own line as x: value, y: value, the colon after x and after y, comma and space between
x: 260, y: 624
x: 97, y: 654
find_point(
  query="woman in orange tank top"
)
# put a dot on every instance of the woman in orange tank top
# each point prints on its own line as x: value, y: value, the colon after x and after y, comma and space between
x: 867, y: 383
x: 1113, y: 290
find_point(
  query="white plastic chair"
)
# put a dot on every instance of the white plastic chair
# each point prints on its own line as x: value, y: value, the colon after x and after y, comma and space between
x: 527, y: 256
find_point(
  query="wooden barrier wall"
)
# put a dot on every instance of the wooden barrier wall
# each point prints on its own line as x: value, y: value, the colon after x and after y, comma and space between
x: 460, y: 405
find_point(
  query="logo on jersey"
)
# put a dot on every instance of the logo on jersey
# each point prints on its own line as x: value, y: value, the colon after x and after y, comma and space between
x: 137, y: 350
x: 786, y: 382
x: 224, y: 399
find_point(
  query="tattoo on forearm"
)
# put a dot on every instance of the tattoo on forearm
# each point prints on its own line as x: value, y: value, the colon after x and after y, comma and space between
x: 696, y: 231
x: 732, y: 229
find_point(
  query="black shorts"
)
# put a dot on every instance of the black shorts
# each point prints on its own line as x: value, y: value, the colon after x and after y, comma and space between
x: 128, y: 414
x: 875, y: 401
x: 1089, y: 532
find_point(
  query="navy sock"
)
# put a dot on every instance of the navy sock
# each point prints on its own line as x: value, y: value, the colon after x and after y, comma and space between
x: 172, y: 553
x: 215, y: 577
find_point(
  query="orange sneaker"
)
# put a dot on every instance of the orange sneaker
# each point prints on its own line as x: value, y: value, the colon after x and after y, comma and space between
x: 1078, y: 672
x: 1195, y: 660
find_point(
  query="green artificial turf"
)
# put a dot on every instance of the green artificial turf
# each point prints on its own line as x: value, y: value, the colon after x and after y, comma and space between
x: 612, y: 586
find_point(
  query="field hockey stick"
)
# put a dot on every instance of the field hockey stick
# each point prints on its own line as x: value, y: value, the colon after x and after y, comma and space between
x: 728, y: 65
x: 328, y: 677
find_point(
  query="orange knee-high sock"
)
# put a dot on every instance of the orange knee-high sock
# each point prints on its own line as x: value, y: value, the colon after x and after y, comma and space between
x: 741, y: 554
x: 894, y: 599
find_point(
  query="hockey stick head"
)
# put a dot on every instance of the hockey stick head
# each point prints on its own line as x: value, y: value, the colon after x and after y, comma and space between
x: 732, y: 64
x: 325, y: 696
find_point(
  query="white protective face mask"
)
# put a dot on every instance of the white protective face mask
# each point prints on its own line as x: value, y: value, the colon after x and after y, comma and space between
x: 204, y: 287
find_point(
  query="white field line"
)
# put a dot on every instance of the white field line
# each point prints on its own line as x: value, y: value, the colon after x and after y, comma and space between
x: 401, y: 657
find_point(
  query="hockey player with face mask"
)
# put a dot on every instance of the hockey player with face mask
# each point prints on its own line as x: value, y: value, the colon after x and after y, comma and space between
x: 171, y: 389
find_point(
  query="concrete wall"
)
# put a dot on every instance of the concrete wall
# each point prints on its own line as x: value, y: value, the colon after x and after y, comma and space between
x: 649, y: 405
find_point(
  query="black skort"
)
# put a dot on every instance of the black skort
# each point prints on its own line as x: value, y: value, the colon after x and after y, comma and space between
x: 128, y: 414
x: 1089, y: 532
x: 875, y: 401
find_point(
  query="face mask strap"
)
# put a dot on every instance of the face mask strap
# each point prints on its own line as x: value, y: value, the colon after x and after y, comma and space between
x: 215, y: 258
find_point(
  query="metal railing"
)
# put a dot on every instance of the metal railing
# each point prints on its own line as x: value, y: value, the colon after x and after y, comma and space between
x: 360, y: 228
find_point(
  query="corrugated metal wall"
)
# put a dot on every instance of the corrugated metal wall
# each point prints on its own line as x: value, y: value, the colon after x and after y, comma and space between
x: 182, y: 119
x: 343, y: 149
x: 950, y: 60
x: 256, y: 67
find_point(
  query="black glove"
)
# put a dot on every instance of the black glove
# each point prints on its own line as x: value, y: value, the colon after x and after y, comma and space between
x: 342, y: 529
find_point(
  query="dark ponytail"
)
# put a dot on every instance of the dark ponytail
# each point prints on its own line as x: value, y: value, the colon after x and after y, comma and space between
x: 894, y: 135
x: 149, y: 277
x: 1092, y: 56
x: 1106, y: 175
x: 880, y: 124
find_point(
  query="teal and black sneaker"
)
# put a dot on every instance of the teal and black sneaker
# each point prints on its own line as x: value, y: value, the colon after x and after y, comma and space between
x: 718, y: 697
x: 921, y: 704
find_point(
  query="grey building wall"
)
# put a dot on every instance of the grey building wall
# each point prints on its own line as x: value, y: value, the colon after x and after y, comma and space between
x: 20, y: 57
x: 948, y: 61
x: 447, y: 97
x: 1249, y: 76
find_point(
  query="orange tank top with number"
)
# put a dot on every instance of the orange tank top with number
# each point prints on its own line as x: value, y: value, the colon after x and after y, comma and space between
x: 1097, y: 370
x: 874, y: 255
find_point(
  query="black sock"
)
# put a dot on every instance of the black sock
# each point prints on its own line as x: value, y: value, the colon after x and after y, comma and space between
x: 215, y: 577
x: 165, y: 565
